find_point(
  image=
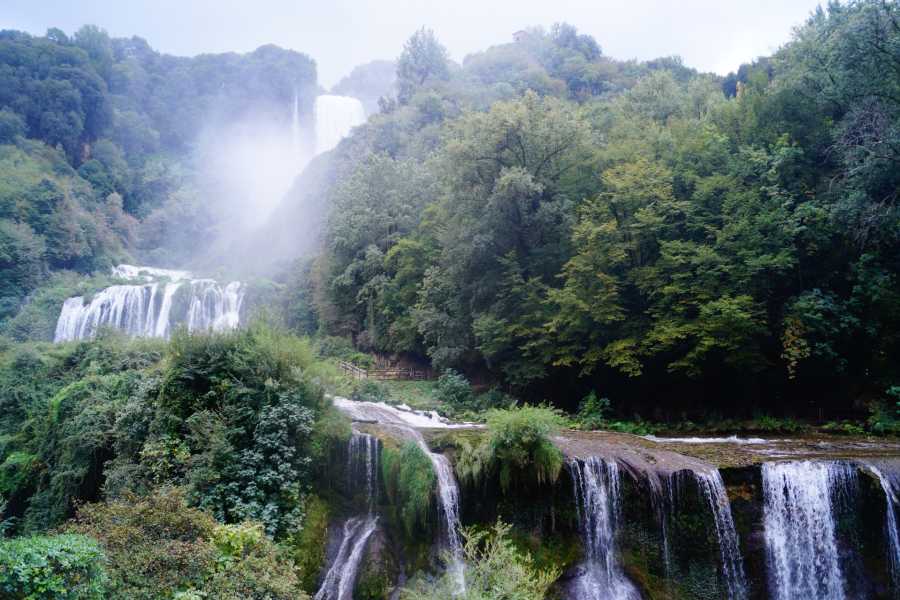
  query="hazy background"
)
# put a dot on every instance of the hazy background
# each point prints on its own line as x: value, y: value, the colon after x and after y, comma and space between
x: 710, y: 35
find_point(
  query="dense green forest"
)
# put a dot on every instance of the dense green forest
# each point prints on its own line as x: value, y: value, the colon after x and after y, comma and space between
x: 565, y: 239
x: 555, y: 221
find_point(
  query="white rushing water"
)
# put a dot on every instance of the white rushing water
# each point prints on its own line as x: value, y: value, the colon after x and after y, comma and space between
x: 408, y: 420
x: 732, y: 439
x: 713, y: 488
x: 341, y: 577
x: 362, y: 463
x: 145, y: 308
x: 800, y: 531
x: 335, y: 117
x: 890, y: 485
x: 597, y: 501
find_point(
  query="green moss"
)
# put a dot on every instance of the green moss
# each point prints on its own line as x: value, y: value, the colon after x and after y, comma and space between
x: 410, y: 483
x: 653, y: 587
x: 556, y: 553
x: 372, y: 585
x: 308, y: 545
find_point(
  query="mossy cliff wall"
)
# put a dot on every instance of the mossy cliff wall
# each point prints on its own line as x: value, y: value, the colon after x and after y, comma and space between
x: 667, y: 536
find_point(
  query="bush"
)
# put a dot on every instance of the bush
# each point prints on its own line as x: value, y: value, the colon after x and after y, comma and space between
x: 453, y: 389
x: 59, y: 567
x: 593, y: 412
x: 158, y: 547
x: 245, y: 404
x: 342, y: 349
x: 494, y: 571
x: 518, y: 445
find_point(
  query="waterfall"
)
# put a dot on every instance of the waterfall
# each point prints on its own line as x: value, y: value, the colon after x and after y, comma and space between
x: 214, y: 307
x: 665, y: 499
x: 335, y: 117
x: 362, y: 459
x: 145, y: 308
x: 890, y: 485
x: 798, y: 513
x: 713, y: 488
x: 341, y: 577
x: 448, y: 493
x: 296, y: 132
x: 597, y: 496
x: 448, y: 490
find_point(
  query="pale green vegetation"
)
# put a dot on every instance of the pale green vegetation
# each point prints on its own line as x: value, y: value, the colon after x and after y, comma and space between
x: 494, y: 570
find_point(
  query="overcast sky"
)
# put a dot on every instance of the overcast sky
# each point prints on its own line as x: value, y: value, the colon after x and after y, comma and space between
x: 710, y: 35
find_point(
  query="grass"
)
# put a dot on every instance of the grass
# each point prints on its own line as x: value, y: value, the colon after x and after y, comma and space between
x: 421, y: 395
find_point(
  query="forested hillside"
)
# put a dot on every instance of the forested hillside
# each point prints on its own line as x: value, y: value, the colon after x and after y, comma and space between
x: 573, y: 254
x: 97, y: 140
x: 555, y: 221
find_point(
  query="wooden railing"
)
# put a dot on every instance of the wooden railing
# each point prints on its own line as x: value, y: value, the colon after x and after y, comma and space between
x: 401, y: 373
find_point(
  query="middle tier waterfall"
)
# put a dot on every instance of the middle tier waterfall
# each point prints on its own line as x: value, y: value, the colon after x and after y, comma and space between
x: 152, y: 306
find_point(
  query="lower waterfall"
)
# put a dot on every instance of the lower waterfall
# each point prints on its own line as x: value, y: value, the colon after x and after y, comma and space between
x: 341, y: 577
x: 448, y: 490
x: 800, y: 529
x: 362, y: 459
x: 597, y: 501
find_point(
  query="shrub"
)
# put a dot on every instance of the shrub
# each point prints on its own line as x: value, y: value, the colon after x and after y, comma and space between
x: 59, y: 567
x: 453, y: 389
x: 245, y: 402
x: 495, y: 570
x: 518, y: 445
x: 158, y: 547
x: 342, y: 349
x: 593, y: 412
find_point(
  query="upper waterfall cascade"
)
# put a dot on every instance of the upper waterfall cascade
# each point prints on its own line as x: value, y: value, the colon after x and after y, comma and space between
x: 335, y: 116
x: 158, y: 301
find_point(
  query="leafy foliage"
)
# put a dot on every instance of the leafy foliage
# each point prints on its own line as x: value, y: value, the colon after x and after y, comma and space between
x: 495, y: 570
x: 156, y: 546
x: 518, y: 447
x: 230, y: 417
x: 593, y: 411
x: 58, y: 567
x: 564, y: 222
